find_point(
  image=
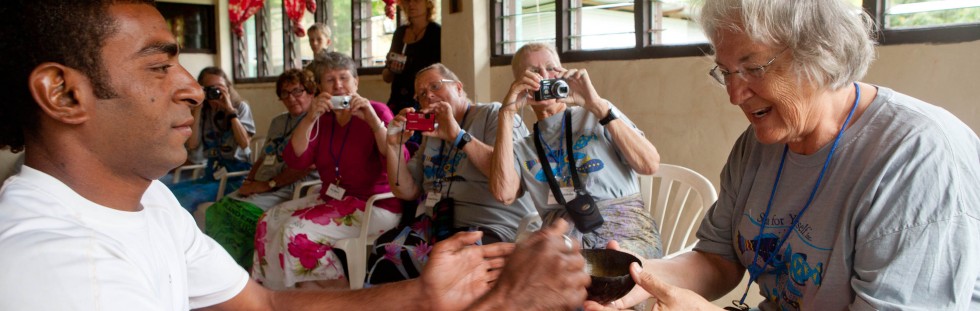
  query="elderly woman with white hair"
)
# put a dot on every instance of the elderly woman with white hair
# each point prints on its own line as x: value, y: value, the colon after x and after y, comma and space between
x: 840, y: 194
x: 581, y: 162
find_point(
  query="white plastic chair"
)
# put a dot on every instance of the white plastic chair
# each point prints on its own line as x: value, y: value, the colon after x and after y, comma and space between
x: 305, y: 188
x: 681, y: 199
x: 256, y: 145
x: 195, y: 169
x: 356, y: 248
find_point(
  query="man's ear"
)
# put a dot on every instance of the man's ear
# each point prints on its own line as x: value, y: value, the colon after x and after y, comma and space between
x: 61, y: 92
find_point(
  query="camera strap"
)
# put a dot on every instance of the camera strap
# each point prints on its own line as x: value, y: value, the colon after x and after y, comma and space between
x: 546, y: 166
x: 444, y: 212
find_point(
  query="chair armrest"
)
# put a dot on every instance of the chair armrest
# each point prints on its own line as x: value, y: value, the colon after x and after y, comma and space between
x: 298, y: 191
x: 224, y: 183
x: 196, y: 170
x: 368, y: 207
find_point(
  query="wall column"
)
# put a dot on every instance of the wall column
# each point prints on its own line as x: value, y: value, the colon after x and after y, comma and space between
x: 466, y: 46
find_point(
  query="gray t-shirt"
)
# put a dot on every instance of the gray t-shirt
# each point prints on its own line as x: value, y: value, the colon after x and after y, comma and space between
x: 217, y: 142
x: 475, y: 206
x: 893, y: 226
x: 601, y: 167
x: 280, y: 130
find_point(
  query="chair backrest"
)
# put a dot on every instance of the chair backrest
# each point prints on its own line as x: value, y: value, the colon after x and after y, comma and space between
x: 255, y: 147
x: 677, y: 204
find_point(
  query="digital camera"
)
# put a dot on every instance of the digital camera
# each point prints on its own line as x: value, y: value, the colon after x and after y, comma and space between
x: 400, y: 59
x: 340, y: 102
x: 584, y: 212
x: 551, y: 88
x: 212, y: 93
x: 425, y: 122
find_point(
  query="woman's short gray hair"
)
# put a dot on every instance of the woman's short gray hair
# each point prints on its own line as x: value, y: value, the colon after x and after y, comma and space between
x: 831, y: 40
x: 330, y: 61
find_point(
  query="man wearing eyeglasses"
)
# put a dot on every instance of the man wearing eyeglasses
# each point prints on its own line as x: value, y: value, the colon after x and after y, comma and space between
x: 453, y: 161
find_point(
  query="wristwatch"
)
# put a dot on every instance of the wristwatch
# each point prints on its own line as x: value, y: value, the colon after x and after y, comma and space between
x: 272, y: 183
x: 610, y: 116
x: 463, y: 139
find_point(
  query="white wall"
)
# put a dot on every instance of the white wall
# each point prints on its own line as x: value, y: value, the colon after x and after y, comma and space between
x: 688, y: 117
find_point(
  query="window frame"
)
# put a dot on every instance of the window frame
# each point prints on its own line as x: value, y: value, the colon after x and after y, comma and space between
x: 937, y: 34
x: 290, y: 54
x: 643, y: 24
x: 645, y: 50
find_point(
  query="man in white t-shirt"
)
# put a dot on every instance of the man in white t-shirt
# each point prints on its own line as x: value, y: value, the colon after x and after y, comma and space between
x: 102, y: 108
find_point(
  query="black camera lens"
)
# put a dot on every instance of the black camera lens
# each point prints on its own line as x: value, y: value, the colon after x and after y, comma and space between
x: 551, y: 88
x: 212, y: 93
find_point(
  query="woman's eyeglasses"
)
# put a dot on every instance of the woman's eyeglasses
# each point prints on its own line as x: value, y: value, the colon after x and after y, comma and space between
x: 747, y: 74
x: 431, y: 88
x: 295, y: 93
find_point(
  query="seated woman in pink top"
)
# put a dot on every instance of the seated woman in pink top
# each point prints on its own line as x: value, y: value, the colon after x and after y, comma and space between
x: 294, y: 241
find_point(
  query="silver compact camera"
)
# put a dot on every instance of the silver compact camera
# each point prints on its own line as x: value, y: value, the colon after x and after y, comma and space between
x: 340, y: 102
x: 551, y: 88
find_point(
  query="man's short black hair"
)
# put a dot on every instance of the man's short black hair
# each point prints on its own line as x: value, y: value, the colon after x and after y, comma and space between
x: 32, y: 32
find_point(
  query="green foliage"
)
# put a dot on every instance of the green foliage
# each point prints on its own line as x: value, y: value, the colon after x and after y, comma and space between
x: 935, y: 18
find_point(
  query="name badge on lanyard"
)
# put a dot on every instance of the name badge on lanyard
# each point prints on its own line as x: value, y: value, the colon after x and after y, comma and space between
x: 270, y: 160
x: 567, y: 192
x: 335, y: 191
x: 432, y: 198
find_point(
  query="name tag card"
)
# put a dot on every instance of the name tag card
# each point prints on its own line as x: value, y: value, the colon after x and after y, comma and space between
x: 567, y: 192
x: 336, y: 192
x: 432, y: 198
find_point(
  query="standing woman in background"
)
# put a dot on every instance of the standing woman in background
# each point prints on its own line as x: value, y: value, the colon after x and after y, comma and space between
x: 222, y: 130
x: 414, y: 46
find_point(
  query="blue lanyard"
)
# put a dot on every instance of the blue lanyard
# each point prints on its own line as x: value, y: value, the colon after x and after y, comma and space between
x: 441, y: 169
x: 754, y: 269
x: 559, y: 162
x: 343, y: 143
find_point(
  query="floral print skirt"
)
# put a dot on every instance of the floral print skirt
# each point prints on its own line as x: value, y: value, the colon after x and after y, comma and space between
x: 294, y: 240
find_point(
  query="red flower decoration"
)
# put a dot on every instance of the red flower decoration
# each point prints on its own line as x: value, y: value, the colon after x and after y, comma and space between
x: 334, y: 211
x: 308, y: 252
x: 260, y: 231
x: 390, y: 8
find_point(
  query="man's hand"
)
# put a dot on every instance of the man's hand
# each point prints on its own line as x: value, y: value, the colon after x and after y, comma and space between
x: 459, y: 272
x: 398, y: 138
x: 543, y: 273
x: 448, y: 127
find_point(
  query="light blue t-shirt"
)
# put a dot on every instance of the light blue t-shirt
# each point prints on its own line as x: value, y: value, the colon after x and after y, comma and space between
x: 895, y: 224
x: 603, y: 170
x: 475, y: 205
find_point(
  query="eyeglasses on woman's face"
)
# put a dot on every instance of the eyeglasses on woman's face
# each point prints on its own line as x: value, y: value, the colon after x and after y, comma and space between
x: 295, y: 93
x: 746, y: 73
x: 431, y: 88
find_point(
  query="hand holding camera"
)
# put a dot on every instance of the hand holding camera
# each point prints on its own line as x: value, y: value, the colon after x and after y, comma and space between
x: 551, y: 89
x: 420, y: 121
x: 341, y: 102
x: 218, y: 93
x: 396, y: 62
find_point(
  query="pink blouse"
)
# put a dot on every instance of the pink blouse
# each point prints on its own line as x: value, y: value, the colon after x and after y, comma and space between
x: 349, y: 154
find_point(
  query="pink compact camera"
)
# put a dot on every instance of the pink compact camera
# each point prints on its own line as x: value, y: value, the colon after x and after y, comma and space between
x: 425, y: 122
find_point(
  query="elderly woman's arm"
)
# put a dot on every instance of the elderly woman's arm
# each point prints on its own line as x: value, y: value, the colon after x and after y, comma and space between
x: 504, y: 180
x: 641, y: 155
x: 709, y: 275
